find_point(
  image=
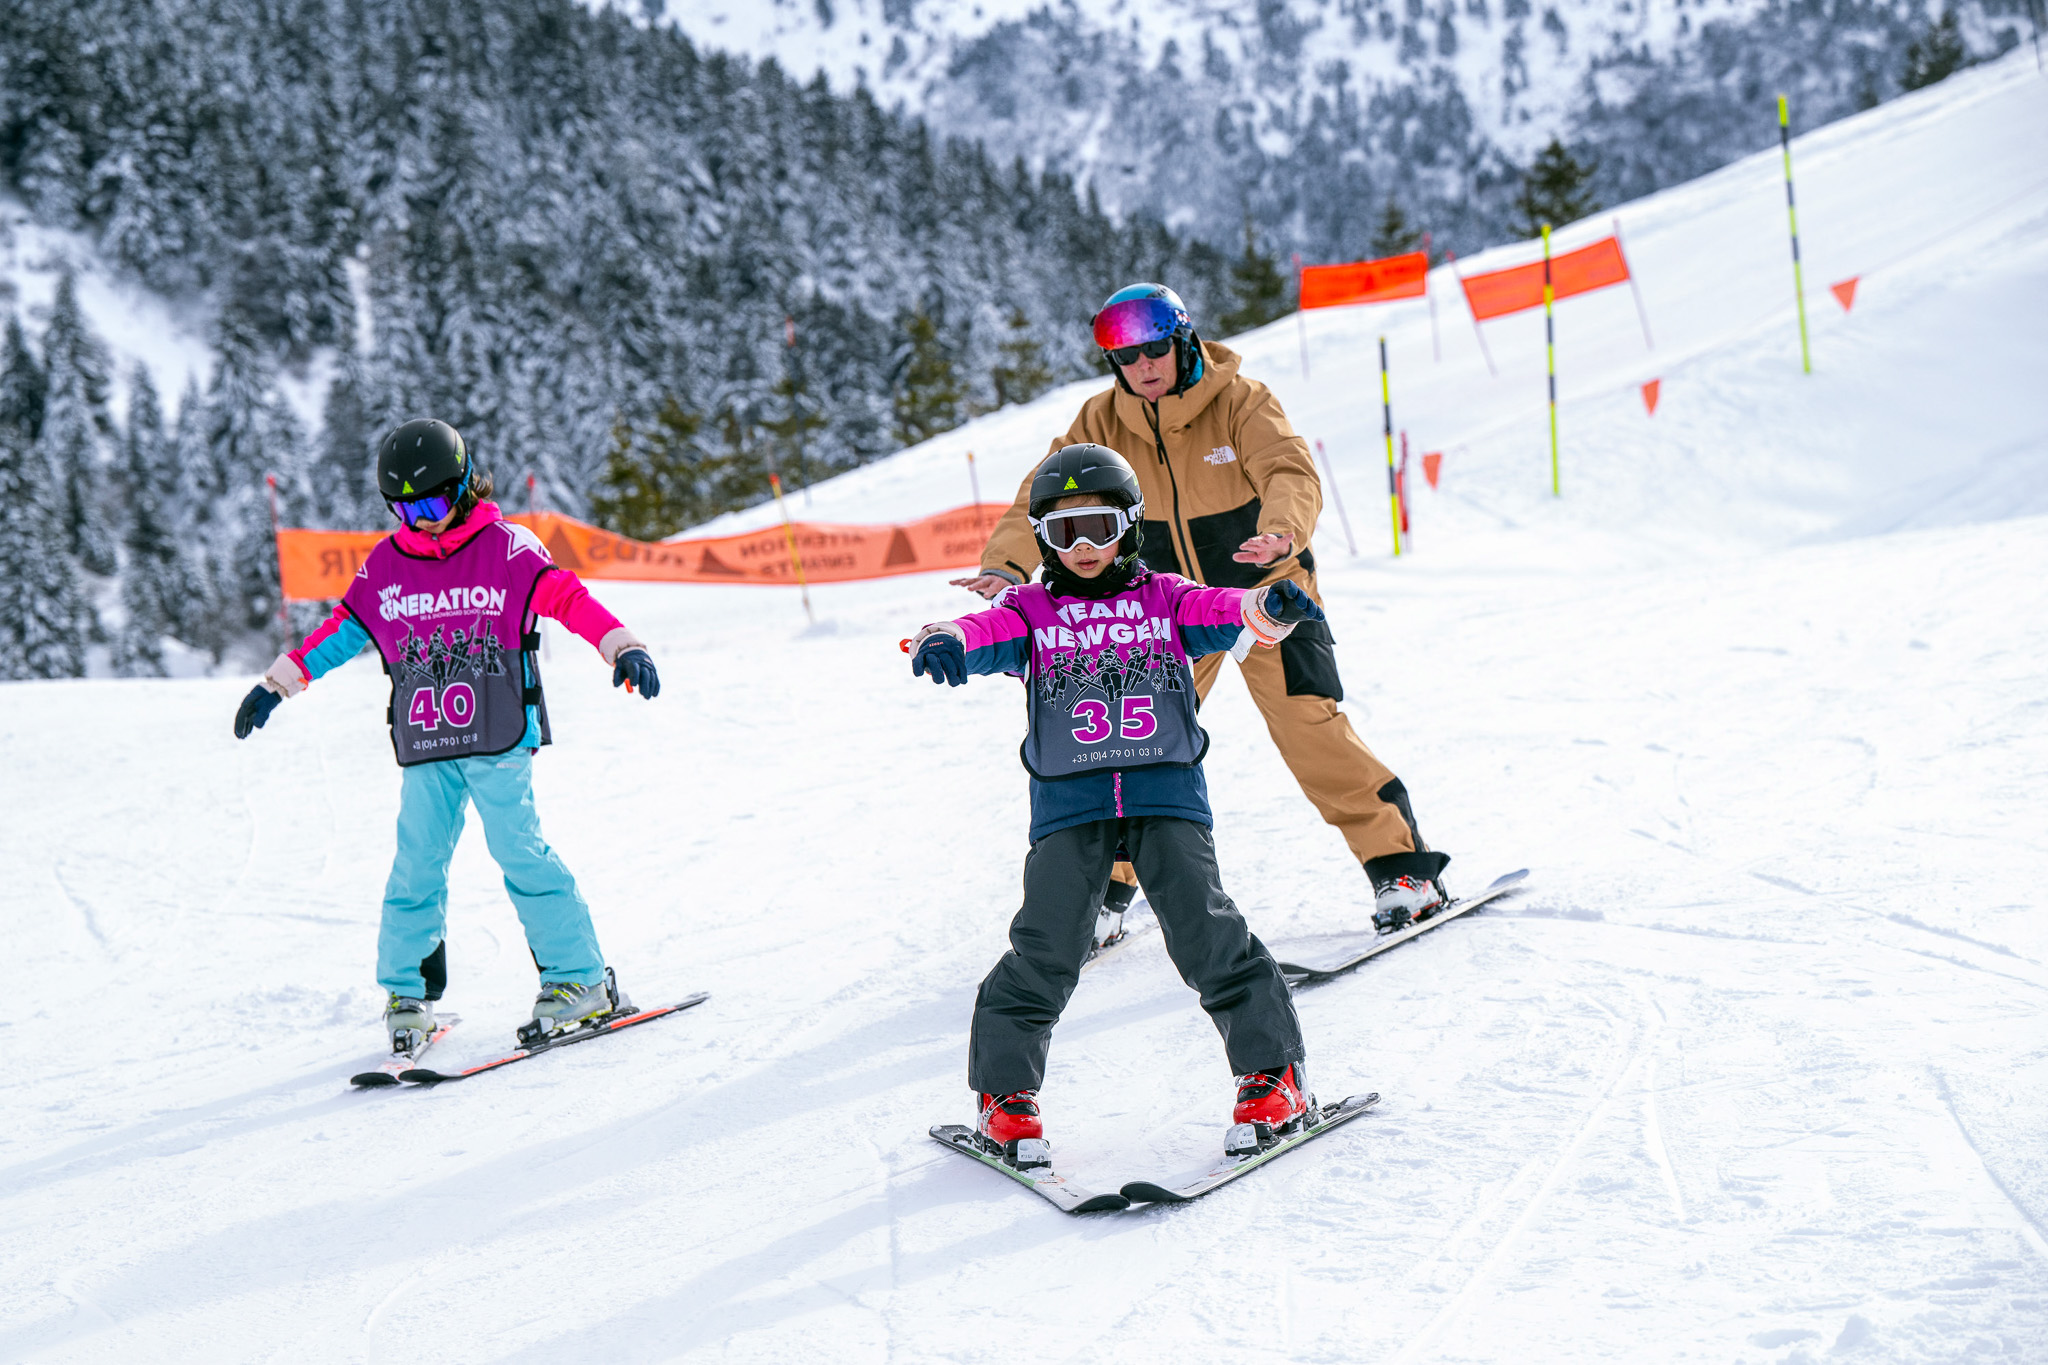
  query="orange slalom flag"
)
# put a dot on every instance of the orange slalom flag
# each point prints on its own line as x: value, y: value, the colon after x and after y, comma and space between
x: 1845, y: 292
x: 1390, y: 277
x: 317, y: 565
x: 1432, y: 465
x: 1500, y: 292
x: 1651, y: 391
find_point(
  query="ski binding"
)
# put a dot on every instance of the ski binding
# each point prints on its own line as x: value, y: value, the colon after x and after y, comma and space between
x: 1330, y: 963
x: 1028, y: 1161
x: 1247, y: 1146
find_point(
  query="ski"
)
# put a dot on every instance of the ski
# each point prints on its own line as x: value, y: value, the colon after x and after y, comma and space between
x: 601, y: 1027
x: 388, y: 1074
x: 1244, y: 1152
x: 1341, y: 959
x: 1041, y: 1179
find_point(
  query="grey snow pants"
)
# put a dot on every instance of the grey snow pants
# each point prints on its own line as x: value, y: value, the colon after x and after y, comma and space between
x: 1065, y: 874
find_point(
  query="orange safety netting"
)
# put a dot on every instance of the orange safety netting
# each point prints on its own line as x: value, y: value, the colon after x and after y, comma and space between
x: 319, y: 564
x: 1390, y: 277
x: 1500, y: 292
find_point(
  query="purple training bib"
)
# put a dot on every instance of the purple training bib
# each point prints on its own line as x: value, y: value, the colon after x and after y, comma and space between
x: 454, y: 637
x: 1110, y: 686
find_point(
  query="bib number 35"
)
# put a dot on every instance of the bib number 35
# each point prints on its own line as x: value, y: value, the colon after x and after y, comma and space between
x: 1135, y: 722
x: 454, y: 704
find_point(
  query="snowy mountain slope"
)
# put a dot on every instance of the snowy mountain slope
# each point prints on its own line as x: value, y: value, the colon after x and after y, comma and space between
x: 1754, y: 1071
x: 138, y: 325
x: 1963, y: 195
x: 1520, y: 75
x: 1306, y: 117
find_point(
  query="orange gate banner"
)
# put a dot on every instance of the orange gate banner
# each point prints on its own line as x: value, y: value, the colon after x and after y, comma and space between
x: 319, y: 564
x: 1390, y: 277
x: 1500, y: 292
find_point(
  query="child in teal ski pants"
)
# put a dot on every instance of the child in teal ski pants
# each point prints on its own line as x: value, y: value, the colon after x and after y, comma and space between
x: 430, y: 817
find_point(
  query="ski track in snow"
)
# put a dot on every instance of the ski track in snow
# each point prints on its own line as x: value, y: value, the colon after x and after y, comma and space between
x: 1753, y: 1069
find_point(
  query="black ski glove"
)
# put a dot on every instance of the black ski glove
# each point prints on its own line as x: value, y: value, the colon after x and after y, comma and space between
x: 636, y: 666
x: 254, y: 710
x: 941, y: 659
x: 1287, y: 603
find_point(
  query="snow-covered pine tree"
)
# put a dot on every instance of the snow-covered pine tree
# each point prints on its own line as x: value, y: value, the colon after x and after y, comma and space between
x: 236, y: 432
x: 77, y: 427
x: 154, y: 578
x: 342, y: 473
x: 927, y: 384
x: 44, y: 619
x: 191, y: 509
x: 21, y: 384
x: 1393, y: 235
x: 1554, y: 191
x: 1258, y: 289
x: 1936, y: 54
x: 1022, y: 374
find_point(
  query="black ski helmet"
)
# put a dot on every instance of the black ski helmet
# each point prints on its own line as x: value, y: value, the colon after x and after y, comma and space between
x: 1099, y: 472
x: 424, y: 458
x: 1144, y: 312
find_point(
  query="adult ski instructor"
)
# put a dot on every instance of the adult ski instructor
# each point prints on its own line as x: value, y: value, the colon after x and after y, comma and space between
x: 1231, y: 499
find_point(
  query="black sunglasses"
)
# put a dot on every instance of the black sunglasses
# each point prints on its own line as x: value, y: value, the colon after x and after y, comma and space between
x: 1151, y: 350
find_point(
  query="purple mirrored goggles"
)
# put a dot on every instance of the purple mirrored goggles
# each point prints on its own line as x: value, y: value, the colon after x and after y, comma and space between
x: 1135, y: 327
x: 413, y: 511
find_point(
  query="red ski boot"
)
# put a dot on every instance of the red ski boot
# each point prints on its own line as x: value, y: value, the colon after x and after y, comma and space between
x: 1269, y: 1103
x: 1009, y: 1124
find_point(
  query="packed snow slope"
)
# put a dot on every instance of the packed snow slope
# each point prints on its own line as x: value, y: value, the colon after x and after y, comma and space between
x: 1753, y: 1071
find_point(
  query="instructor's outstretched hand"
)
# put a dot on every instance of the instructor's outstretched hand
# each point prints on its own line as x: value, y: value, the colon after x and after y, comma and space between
x: 635, y: 669
x: 1269, y: 548
x: 1288, y: 603
x: 984, y: 586
x: 254, y: 710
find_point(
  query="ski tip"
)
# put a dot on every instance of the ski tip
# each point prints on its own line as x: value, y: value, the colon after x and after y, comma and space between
x: 1145, y: 1192
x: 421, y: 1076
x: 1101, y: 1203
x: 373, y: 1080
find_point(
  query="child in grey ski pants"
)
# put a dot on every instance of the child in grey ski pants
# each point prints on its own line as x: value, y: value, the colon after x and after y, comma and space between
x: 1065, y: 874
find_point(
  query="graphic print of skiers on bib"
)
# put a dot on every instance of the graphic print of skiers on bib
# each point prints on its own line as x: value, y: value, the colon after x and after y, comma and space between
x: 452, y: 636
x: 1110, y: 683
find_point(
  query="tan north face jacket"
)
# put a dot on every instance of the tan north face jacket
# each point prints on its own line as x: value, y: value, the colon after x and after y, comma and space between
x: 1222, y: 466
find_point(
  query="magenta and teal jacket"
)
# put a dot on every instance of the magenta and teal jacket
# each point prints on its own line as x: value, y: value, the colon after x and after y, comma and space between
x: 1071, y: 663
x: 559, y: 596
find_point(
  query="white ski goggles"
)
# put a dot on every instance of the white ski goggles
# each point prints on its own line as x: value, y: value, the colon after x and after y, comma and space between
x: 1101, y: 527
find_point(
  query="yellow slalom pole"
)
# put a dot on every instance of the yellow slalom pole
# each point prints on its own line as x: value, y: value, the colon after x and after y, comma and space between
x: 1387, y: 417
x: 1550, y: 359
x: 1792, y: 214
x: 789, y: 538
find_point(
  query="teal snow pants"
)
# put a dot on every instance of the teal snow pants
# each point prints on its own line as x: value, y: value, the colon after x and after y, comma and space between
x: 551, y: 909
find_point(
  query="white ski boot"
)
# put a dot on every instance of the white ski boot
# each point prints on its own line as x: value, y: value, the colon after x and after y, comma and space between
x: 1402, y: 900
x: 409, y: 1022
x: 562, y: 1005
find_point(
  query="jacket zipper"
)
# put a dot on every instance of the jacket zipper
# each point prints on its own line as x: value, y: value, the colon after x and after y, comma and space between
x: 1119, y: 796
x: 1187, y: 558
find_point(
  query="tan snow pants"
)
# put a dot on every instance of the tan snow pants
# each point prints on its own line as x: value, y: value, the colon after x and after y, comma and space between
x: 1342, y: 778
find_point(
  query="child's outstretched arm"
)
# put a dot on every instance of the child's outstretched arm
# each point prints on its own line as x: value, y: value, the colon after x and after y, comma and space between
x: 333, y: 642
x: 1213, y: 620
x: 993, y: 641
x: 561, y: 596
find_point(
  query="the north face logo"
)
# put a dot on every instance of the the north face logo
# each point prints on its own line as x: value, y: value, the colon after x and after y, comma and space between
x: 1221, y: 455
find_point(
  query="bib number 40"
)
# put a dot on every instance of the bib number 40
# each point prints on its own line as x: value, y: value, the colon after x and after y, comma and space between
x: 1135, y: 722
x: 455, y: 704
